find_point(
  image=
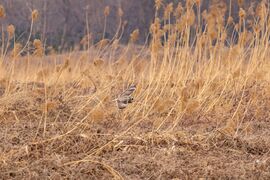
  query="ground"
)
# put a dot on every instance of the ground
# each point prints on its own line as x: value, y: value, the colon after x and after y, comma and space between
x: 127, y: 148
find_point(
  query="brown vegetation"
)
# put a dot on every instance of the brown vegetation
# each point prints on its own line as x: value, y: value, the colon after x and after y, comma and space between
x: 200, y: 107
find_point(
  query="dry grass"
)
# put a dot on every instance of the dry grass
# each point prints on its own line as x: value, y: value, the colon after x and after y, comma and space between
x: 200, y: 108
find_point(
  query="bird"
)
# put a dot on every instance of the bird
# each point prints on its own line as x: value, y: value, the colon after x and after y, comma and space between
x: 129, y: 91
x: 125, y: 98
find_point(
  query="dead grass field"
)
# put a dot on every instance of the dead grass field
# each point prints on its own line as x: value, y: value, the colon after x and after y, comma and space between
x: 200, y: 110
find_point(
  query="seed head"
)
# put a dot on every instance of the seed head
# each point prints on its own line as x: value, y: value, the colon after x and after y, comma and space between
x: 168, y: 11
x: 158, y: 4
x: 37, y: 43
x: 179, y: 10
x: 230, y: 20
x: 236, y: 27
x: 134, y: 35
x: 120, y: 12
x: 223, y: 36
x: 115, y: 43
x: 189, y: 4
x: 242, y: 13
x: 107, y: 11
x: 261, y: 10
x: 190, y: 17
x: 240, y: 2
x: 103, y: 43
x: 155, y: 27
x: 11, y: 31
x: 39, y: 50
x: 198, y: 2
x: 35, y: 15
x: 251, y: 9
x: 2, y: 11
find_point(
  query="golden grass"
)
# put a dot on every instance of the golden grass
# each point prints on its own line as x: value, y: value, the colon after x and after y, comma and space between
x: 180, y: 79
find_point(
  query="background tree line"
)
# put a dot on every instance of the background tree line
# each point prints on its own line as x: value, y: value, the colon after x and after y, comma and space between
x: 63, y: 23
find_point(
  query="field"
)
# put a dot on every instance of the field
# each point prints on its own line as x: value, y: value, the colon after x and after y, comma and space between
x: 190, y: 103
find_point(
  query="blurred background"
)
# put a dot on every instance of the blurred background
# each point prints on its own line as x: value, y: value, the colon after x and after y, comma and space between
x: 62, y: 23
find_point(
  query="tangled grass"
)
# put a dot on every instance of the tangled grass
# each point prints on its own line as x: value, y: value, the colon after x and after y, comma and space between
x: 200, y: 108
